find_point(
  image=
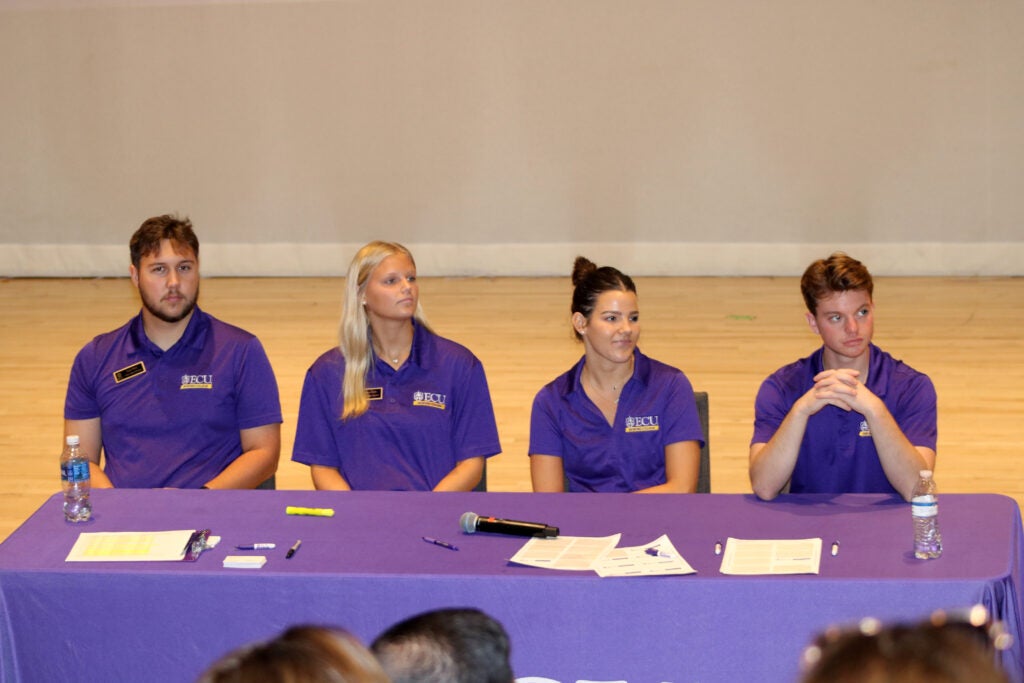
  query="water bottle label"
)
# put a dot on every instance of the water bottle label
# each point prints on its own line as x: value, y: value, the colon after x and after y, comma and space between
x: 75, y: 471
x: 925, y: 506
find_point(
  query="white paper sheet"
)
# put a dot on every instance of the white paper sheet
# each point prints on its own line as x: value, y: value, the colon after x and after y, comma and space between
x: 582, y: 553
x: 570, y: 553
x: 130, y: 546
x: 791, y: 556
x: 657, y: 558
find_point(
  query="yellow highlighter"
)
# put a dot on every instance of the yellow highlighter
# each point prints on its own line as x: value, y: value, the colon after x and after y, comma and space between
x: 315, y: 512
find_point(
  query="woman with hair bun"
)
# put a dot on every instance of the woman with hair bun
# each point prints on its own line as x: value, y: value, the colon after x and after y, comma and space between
x: 394, y: 406
x: 618, y: 420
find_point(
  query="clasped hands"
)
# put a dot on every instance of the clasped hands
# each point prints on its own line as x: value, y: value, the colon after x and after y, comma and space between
x: 841, y: 388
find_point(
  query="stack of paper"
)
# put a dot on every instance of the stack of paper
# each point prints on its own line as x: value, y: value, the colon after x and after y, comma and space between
x: 574, y: 553
x: 134, y: 546
x: 245, y: 561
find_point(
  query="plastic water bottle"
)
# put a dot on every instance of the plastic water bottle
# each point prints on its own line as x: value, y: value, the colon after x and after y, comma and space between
x: 74, y: 478
x: 925, y: 505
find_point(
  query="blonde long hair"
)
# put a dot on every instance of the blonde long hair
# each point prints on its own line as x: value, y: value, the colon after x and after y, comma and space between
x: 355, y: 335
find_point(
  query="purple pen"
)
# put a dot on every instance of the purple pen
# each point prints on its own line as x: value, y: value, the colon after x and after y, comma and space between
x: 443, y: 544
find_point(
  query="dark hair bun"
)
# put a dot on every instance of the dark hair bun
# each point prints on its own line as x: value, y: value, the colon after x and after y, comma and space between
x: 582, y: 269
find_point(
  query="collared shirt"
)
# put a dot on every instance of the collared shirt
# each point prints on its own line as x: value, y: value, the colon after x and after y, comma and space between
x: 837, y: 454
x: 656, y: 408
x: 424, y: 418
x: 172, y: 418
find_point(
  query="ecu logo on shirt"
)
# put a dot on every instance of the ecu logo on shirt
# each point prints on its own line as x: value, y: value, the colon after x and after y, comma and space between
x: 430, y: 400
x: 646, y: 423
x: 196, y: 382
x: 865, y: 430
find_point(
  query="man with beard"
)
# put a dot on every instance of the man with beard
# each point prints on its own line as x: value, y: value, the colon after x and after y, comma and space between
x: 174, y: 398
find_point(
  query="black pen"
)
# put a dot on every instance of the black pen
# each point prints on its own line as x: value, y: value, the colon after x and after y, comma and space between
x: 291, y: 551
x: 443, y: 544
x: 256, y: 546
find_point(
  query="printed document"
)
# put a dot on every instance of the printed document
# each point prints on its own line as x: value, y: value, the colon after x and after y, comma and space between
x: 658, y: 558
x: 572, y: 553
x: 130, y: 546
x: 793, y: 556
x: 583, y: 553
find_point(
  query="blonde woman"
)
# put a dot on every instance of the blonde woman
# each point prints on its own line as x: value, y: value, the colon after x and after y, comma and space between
x: 395, y: 407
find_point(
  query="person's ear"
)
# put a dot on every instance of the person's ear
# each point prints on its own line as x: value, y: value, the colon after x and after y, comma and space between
x: 133, y: 273
x: 579, y: 323
x: 813, y: 322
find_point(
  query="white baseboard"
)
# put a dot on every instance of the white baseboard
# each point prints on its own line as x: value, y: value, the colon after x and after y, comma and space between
x: 536, y: 259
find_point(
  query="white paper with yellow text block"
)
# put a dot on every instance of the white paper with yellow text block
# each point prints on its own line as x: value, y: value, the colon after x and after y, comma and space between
x: 130, y: 546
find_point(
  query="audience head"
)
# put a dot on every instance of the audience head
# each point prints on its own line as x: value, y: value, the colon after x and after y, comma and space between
x: 302, y: 654
x: 942, y: 650
x: 445, y: 646
x: 147, y: 238
x: 590, y: 282
x: 837, y: 273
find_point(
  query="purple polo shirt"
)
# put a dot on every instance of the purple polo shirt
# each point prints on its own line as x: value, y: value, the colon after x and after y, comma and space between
x: 837, y: 454
x: 424, y: 418
x: 656, y: 408
x: 172, y: 418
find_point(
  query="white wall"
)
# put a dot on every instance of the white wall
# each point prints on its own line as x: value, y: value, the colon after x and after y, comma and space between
x: 664, y: 137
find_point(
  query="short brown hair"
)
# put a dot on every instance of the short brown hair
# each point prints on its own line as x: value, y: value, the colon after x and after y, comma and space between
x: 147, y: 238
x: 925, y: 653
x: 316, y: 654
x: 837, y: 273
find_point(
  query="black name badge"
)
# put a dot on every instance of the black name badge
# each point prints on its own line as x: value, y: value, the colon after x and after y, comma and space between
x: 133, y: 370
x: 374, y: 393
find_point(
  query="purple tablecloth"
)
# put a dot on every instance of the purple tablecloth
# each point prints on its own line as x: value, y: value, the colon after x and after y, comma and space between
x: 367, y: 567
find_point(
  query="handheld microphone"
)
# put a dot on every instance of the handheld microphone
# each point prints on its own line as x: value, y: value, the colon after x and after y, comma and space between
x: 472, y: 522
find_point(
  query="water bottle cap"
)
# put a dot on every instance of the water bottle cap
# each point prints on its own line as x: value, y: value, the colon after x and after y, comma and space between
x: 926, y: 474
x: 71, y: 440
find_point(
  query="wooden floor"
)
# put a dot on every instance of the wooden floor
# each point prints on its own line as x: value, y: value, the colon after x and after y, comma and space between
x: 725, y: 333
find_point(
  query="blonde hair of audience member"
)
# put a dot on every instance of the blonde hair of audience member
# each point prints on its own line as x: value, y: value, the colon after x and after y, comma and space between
x: 302, y: 654
x: 926, y: 653
x: 356, y: 333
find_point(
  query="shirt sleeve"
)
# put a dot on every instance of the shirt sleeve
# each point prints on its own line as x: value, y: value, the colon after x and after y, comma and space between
x: 545, y: 434
x: 258, y: 400
x: 683, y: 422
x: 474, y: 430
x: 916, y: 413
x: 770, y: 408
x: 80, y: 401
x: 314, y: 434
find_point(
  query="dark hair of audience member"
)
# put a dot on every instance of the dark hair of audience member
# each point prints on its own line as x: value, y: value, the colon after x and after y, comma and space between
x: 590, y: 282
x: 904, y: 654
x: 459, y: 645
x: 302, y: 654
